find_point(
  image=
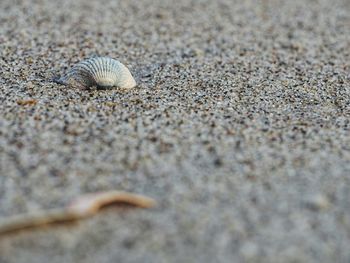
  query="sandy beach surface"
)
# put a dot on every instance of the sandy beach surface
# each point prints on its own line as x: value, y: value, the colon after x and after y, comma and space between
x: 239, y: 128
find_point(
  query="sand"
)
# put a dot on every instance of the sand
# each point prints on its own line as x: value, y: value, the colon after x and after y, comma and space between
x: 239, y: 128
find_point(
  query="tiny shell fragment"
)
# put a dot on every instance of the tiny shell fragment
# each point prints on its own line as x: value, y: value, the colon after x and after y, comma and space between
x: 27, y: 102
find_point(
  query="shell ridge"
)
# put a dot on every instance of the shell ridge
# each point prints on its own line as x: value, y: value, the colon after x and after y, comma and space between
x: 104, y: 63
x: 107, y: 72
x: 110, y: 67
x: 92, y: 69
x: 88, y: 69
x: 83, y: 74
x: 119, y: 72
x: 115, y: 74
x: 103, y: 70
x: 126, y: 75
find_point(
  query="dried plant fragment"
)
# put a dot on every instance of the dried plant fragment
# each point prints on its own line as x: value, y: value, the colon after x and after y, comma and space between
x: 90, y: 204
x: 83, y: 207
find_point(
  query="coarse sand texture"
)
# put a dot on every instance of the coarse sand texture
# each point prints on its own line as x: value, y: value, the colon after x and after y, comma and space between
x: 238, y: 128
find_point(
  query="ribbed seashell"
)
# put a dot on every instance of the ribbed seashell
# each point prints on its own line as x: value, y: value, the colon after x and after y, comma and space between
x: 102, y: 72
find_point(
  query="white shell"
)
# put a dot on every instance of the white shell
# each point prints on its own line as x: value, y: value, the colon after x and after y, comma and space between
x: 102, y: 72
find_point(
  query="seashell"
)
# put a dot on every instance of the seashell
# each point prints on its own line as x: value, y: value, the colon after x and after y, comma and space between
x: 102, y: 72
